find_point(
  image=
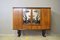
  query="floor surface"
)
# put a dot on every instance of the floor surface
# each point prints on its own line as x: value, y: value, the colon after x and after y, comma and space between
x: 29, y: 37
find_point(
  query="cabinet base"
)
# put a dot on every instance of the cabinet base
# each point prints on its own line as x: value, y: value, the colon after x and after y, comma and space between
x: 43, y: 33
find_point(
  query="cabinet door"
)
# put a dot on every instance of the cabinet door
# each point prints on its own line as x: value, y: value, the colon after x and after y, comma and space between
x: 26, y: 18
x: 36, y: 19
x: 46, y: 18
x: 17, y: 19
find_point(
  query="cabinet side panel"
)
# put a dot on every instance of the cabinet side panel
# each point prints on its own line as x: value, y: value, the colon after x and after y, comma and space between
x: 20, y: 19
x: 15, y: 19
x: 45, y: 18
x: 48, y: 18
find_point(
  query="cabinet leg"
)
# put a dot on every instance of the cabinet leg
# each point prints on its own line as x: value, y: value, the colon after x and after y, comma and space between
x: 19, y: 33
x: 43, y: 33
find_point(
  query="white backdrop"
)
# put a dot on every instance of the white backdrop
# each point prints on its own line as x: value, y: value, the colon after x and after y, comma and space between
x: 6, y: 13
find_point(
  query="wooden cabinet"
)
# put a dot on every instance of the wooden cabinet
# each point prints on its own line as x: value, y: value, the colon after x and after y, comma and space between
x: 31, y: 18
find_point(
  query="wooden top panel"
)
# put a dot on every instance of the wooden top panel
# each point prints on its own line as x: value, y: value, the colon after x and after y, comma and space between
x: 32, y: 7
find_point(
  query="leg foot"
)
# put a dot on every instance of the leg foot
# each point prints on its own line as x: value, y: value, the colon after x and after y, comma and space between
x: 43, y: 33
x: 19, y: 33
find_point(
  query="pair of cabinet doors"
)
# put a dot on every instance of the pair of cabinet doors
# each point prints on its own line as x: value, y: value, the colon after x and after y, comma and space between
x: 31, y: 18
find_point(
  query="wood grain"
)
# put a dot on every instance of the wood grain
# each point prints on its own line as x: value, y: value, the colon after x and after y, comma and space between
x: 45, y: 21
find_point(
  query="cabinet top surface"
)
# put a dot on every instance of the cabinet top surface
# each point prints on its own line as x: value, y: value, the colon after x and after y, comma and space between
x: 32, y: 7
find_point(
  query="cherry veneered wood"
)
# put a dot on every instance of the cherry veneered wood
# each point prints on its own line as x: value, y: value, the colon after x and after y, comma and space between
x: 45, y: 15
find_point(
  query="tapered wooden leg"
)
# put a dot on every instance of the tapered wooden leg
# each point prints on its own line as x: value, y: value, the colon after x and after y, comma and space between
x: 19, y: 33
x: 43, y: 33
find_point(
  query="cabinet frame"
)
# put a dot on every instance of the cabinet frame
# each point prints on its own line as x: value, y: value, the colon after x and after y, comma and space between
x: 42, y: 25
